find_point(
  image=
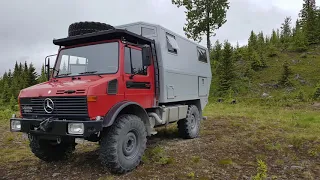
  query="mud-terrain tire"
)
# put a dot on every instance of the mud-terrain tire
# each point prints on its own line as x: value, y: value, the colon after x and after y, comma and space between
x: 123, y: 144
x: 189, y: 127
x: 80, y: 28
x: 49, y: 151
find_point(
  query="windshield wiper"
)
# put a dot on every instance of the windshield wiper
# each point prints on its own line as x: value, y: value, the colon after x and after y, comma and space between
x: 90, y: 72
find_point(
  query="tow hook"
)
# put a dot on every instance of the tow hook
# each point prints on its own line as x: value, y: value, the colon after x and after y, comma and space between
x: 58, y: 140
x: 46, y: 125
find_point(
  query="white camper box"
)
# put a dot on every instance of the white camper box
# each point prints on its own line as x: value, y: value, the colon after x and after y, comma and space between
x: 185, y: 72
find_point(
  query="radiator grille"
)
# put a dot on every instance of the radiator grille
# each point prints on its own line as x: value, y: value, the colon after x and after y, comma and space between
x: 64, y: 107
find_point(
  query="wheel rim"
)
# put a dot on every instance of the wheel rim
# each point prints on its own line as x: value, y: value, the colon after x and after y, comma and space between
x: 130, y: 145
x: 193, y: 121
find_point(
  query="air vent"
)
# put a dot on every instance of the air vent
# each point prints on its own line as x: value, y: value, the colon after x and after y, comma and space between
x: 112, y: 87
x: 80, y: 91
x: 60, y: 92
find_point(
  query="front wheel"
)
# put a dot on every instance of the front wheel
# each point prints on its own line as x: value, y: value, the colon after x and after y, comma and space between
x: 49, y: 151
x: 123, y: 144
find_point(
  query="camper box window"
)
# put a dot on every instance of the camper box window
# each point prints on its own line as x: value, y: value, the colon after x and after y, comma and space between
x: 202, y: 55
x: 172, y: 43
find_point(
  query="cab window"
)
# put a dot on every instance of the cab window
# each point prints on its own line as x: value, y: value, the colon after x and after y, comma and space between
x: 133, y: 62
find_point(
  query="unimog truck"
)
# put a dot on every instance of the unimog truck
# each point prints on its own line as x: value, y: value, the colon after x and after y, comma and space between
x: 114, y: 86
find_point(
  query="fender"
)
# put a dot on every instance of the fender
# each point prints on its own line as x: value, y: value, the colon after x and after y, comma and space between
x: 135, y: 108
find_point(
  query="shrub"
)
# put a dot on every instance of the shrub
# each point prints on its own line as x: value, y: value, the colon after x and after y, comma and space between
x: 261, y: 171
x: 316, y: 94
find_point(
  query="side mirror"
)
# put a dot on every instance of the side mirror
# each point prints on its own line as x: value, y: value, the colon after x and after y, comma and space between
x: 146, y: 55
x: 47, y: 66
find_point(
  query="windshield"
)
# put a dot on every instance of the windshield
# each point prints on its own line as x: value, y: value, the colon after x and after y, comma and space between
x: 99, y: 59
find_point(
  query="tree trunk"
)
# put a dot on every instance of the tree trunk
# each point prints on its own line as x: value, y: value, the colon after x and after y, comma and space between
x: 208, y: 41
x: 208, y: 26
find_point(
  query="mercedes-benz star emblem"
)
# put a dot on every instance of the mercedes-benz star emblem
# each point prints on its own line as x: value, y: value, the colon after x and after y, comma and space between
x: 48, y: 105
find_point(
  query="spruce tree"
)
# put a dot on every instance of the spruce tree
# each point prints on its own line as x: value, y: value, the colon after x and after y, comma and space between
x: 225, y: 69
x: 215, y: 55
x: 286, y: 33
x: 25, y: 76
x: 237, y: 56
x: 217, y: 52
x: 5, y: 94
x: 274, y: 38
x: 299, y: 41
x: 267, y: 41
x: 318, y: 25
x: 285, y: 77
x: 12, y: 103
x: 42, y: 77
x: 9, y: 78
x: 261, y: 42
x: 32, y: 75
x: 308, y: 16
x: 256, y: 61
x: 316, y: 94
x: 253, y: 41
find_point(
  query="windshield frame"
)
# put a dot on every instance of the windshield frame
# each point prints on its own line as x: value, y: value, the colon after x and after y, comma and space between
x: 55, y: 71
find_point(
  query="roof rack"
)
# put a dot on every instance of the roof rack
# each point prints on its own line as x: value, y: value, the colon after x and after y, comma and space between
x: 103, y: 35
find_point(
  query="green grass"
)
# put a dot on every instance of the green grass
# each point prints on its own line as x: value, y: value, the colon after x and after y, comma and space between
x: 300, y: 120
x: 277, y: 129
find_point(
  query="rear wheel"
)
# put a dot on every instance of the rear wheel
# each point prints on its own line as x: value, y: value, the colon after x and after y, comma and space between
x: 48, y: 150
x: 190, y: 126
x: 123, y: 144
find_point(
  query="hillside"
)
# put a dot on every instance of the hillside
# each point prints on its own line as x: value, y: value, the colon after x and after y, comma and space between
x: 304, y: 77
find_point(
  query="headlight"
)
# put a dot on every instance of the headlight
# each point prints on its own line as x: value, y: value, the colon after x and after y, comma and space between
x: 15, y: 125
x: 75, y: 128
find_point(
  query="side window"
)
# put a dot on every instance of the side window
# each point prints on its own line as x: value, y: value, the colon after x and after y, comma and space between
x: 202, y: 55
x: 127, y: 60
x: 172, y: 43
x: 133, y: 62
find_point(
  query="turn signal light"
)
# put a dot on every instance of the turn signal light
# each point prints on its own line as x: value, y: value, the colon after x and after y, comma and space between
x: 92, y: 98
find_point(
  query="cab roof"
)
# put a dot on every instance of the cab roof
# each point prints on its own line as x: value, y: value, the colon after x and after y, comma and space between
x: 101, y: 36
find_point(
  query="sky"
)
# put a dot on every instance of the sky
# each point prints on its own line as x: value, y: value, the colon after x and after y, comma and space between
x: 27, y: 28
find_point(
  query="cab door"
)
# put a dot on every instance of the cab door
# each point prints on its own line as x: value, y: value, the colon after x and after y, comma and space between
x: 138, y: 79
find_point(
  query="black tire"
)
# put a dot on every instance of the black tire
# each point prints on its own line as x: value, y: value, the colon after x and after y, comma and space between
x: 189, y: 127
x: 49, y: 151
x: 80, y: 28
x: 123, y: 144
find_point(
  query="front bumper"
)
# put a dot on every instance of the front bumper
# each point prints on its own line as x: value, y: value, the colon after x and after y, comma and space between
x: 55, y: 127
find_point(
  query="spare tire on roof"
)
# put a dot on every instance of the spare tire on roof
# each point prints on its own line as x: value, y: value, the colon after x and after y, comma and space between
x: 80, y: 28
